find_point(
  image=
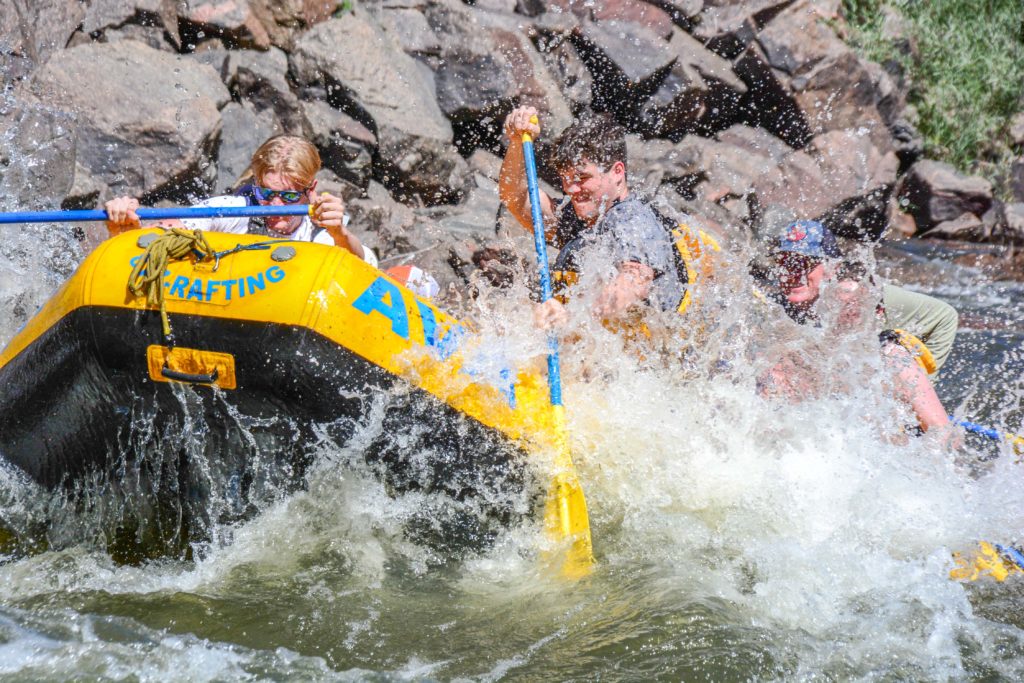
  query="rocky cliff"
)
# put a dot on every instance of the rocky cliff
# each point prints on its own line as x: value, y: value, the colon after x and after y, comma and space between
x: 739, y: 112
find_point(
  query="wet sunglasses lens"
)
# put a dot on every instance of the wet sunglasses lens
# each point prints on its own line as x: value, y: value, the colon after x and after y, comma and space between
x: 287, y: 196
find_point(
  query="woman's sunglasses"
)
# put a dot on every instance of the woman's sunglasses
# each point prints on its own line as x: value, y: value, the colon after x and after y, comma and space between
x: 792, y: 269
x: 265, y: 194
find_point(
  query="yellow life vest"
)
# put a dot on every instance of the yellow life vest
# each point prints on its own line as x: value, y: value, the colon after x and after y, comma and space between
x: 917, y: 349
x: 694, y: 246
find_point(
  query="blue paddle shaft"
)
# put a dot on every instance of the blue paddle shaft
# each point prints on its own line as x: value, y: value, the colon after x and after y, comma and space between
x: 540, y: 245
x: 157, y: 214
x: 993, y: 434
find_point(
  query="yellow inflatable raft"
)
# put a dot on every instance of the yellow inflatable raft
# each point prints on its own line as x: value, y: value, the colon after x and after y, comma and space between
x: 279, y: 351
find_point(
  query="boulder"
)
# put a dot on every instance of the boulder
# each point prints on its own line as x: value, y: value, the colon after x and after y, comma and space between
x: 837, y: 94
x: 567, y: 69
x: 385, y: 225
x: 797, y: 40
x: 859, y: 180
x: 1017, y: 130
x: 261, y: 78
x: 907, y: 142
x: 534, y: 83
x: 757, y: 141
x: 486, y: 164
x: 475, y: 85
x: 700, y: 93
x: 1014, y: 225
x: 36, y: 29
x: 499, y: 6
x: 651, y: 163
x: 936, y: 192
x: 472, y: 220
x: 890, y: 92
x: 458, y: 234
x: 286, y: 20
x: 897, y: 31
x: 901, y: 224
x: 1017, y: 180
x: 645, y: 14
x: 769, y: 103
x: 244, y: 130
x: 160, y: 147
x: 85, y: 193
x: 328, y: 181
x: 224, y: 62
x: 683, y: 12
x: 37, y: 154
x: 233, y: 21
x: 724, y: 171
x: 154, y: 22
x: 345, y: 145
x: 531, y: 8
x: 965, y: 227
x: 627, y: 62
x: 393, y: 97
x: 728, y: 28
x: 831, y: 85
x: 410, y: 29
x: 796, y: 184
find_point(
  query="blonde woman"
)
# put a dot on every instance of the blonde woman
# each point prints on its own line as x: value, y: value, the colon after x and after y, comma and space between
x: 283, y: 171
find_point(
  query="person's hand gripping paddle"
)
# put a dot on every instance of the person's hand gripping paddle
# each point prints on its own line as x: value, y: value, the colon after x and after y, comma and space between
x: 565, y: 514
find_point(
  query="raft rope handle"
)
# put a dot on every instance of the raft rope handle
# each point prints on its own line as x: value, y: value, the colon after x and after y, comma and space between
x: 147, y: 276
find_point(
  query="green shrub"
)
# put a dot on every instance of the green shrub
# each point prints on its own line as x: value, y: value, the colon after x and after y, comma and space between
x: 967, y: 79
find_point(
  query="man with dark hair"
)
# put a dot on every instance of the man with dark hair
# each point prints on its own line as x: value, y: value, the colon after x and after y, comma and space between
x: 598, y: 218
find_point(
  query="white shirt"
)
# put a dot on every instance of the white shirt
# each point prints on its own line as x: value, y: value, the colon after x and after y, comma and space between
x: 240, y: 225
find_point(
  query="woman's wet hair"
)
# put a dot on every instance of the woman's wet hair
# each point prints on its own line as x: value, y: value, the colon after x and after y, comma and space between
x: 594, y: 138
x: 290, y: 155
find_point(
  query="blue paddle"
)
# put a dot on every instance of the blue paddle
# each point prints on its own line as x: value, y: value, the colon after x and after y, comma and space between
x: 157, y: 214
x: 565, y: 515
x: 1016, y: 440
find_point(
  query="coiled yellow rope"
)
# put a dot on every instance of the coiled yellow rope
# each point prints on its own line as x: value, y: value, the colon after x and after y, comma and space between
x: 146, y: 278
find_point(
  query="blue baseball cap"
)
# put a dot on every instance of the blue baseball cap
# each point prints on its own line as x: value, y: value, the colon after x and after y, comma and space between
x: 809, y: 238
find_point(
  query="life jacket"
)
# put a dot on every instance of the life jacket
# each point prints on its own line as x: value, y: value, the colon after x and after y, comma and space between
x: 921, y: 354
x: 693, y: 249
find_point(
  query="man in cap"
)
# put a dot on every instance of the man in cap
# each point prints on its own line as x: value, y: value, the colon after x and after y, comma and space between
x: 807, y: 256
x: 918, y: 330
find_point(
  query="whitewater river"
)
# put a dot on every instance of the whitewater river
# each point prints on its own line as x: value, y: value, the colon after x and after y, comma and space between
x: 737, y: 538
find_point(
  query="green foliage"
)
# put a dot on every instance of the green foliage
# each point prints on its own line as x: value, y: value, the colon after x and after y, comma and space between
x: 967, y: 77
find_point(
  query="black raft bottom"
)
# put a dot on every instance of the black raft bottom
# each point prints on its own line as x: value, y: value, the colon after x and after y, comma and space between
x: 158, y: 466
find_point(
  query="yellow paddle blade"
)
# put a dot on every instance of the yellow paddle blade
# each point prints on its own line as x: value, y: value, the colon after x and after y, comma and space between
x: 1017, y: 442
x: 987, y: 561
x: 565, y: 511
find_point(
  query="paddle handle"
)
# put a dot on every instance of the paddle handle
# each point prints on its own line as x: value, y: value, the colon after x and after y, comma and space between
x: 157, y: 214
x: 540, y: 246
